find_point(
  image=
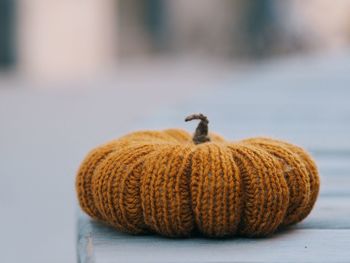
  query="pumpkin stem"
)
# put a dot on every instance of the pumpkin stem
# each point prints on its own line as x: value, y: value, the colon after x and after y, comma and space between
x: 201, y: 133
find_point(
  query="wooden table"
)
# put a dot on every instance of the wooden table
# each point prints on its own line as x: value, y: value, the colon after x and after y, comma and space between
x: 300, y: 101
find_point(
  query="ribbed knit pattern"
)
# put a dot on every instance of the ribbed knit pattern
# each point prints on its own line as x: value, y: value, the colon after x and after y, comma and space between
x: 160, y: 181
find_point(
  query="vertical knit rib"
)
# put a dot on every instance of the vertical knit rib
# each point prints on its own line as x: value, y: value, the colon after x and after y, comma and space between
x: 165, y: 193
x: 216, y: 190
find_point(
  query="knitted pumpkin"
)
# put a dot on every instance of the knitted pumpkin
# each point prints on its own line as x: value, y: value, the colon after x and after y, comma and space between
x: 168, y: 183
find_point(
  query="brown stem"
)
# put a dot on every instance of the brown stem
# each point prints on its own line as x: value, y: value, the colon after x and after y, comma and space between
x: 201, y: 133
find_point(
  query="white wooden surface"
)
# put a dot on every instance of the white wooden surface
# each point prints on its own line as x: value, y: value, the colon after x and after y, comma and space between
x: 302, y: 101
x: 293, y: 246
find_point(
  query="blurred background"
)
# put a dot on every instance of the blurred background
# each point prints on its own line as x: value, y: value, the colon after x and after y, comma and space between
x: 72, y: 39
x: 74, y: 74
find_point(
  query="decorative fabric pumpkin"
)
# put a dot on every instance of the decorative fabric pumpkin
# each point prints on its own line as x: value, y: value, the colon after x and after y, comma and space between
x: 168, y: 183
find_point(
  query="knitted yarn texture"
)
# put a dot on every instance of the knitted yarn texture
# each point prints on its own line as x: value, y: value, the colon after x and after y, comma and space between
x: 160, y: 181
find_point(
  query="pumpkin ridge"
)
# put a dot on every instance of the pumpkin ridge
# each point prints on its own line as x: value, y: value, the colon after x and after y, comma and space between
x: 215, y: 185
x: 167, y: 167
x: 242, y: 167
x: 85, y: 174
x: 104, y: 184
x: 136, y: 224
x: 243, y: 171
x: 260, y: 157
x: 314, y: 183
x: 144, y: 184
x: 150, y: 193
x: 245, y: 154
x: 183, y: 221
x: 260, y: 167
x: 183, y: 197
x: 171, y: 199
x: 276, y: 211
x: 207, y: 217
x: 233, y: 201
x: 188, y: 179
x: 312, y: 174
x: 221, y: 216
x: 197, y: 186
x: 168, y: 208
x: 219, y: 192
x: 237, y: 177
x: 262, y: 197
x: 127, y: 202
x: 211, y: 192
x: 202, y: 198
x: 102, y: 172
x: 271, y: 223
x: 152, y: 221
x: 297, y: 179
x: 255, y: 187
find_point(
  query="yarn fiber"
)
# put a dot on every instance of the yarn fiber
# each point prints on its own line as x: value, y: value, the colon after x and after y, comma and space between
x: 160, y: 181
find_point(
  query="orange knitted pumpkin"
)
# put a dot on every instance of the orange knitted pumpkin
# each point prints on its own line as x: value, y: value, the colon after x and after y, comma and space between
x: 168, y: 183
